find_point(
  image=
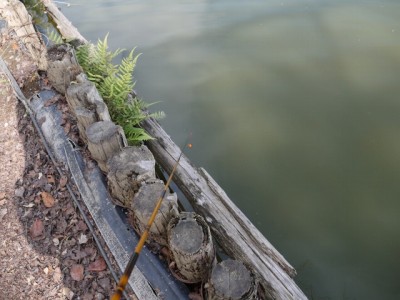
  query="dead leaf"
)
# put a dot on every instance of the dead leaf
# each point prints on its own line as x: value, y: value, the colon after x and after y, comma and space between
x: 48, y: 199
x: 98, y: 265
x: 19, y: 192
x: 67, y: 127
x: 36, y: 229
x: 82, y: 239
x: 52, y: 100
x: 3, y: 212
x: 77, y: 272
x: 57, y: 274
x: 195, y: 296
x: 51, y: 179
x: 29, y: 205
x: 67, y: 293
x: 63, y: 181
x: 81, y: 226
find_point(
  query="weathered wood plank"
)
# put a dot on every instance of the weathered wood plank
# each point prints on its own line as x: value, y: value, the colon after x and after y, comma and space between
x: 67, y: 30
x: 233, y: 230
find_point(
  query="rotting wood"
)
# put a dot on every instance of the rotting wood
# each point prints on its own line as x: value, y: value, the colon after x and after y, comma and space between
x: 233, y: 230
x: 85, y: 118
x: 191, y: 246
x: 86, y: 104
x: 84, y: 93
x: 104, y: 139
x: 67, y: 30
x: 127, y: 170
x: 62, y: 67
x: 142, y: 206
x: 231, y: 280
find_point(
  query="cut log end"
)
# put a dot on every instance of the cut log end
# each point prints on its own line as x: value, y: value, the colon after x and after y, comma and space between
x: 190, y: 242
x: 127, y: 170
x: 231, y: 280
x: 104, y: 139
x: 143, y: 205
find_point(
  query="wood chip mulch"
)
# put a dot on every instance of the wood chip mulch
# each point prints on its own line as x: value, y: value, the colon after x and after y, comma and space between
x: 46, y: 249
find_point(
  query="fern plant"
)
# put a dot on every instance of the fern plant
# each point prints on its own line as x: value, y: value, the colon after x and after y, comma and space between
x: 55, y: 37
x: 115, y: 84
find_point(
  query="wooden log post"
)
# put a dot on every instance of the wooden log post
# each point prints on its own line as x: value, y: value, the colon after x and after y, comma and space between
x: 62, y: 67
x: 231, y: 280
x: 86, y: 104
x: 143, y: 205
x: 104, y: 139
x: 191, y: 246
x: 85, y: 117
x: 127, y: 170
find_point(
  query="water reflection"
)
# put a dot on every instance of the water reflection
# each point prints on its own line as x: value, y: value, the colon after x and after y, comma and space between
x: 295, y: 111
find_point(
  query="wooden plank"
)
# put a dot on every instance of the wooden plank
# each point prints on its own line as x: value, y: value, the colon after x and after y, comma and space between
x: 233, y: 230
x: 67, y: 30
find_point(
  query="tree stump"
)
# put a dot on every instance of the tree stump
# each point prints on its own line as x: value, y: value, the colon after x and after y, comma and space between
x: 127, y: 169
x: 143, y: 205
x: 62, y: 67
x: 104, y: 139
x: 191, y: 246
x: 231, y: 280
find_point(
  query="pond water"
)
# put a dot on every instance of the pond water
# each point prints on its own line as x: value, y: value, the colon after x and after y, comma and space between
x: 294, y: 108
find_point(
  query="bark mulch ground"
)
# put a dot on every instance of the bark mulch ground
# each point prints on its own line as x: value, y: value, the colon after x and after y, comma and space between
x: 46, y: 249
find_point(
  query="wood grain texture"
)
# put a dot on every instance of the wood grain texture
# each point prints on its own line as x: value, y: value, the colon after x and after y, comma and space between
x: 104, y: 139
x: 67, y: 30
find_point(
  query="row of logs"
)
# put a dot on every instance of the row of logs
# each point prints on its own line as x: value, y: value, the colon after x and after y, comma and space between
x: 133, y: 185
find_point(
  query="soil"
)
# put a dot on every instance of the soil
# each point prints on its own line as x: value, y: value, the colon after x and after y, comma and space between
x: 46, y: 249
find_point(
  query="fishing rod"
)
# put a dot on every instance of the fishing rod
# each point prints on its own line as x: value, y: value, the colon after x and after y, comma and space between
x: 132, y: 261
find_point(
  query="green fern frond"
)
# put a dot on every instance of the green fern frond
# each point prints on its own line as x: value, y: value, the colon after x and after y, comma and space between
x: 157, y: 115
x: 55, y: 37
x: 115, y: 84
